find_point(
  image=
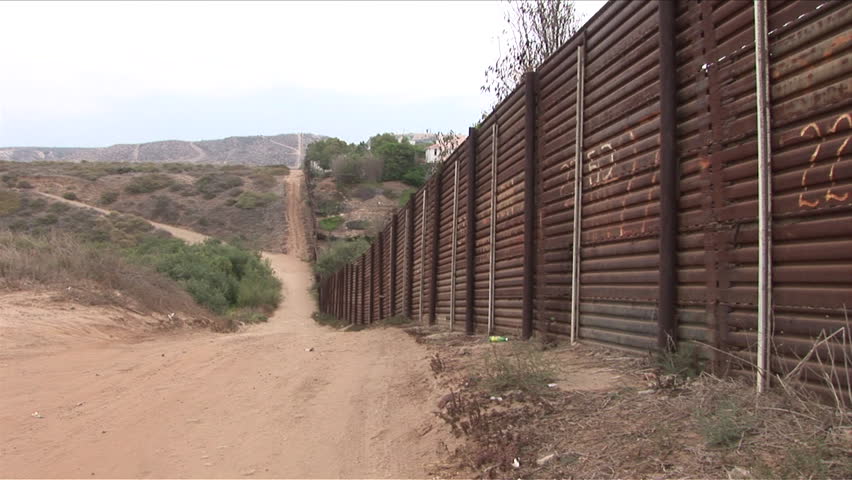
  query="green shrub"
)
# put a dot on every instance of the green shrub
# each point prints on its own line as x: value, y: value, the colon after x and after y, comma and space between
x: 70, y: 196
x: 213, y: 184
x: 148, y: 183
x: 264, y: 181
x: 327, y: 206
x: 218, y: 275
x: 58, y: 207
x: 338, y: 254
x: 331, y: 223
x: 9, y: 202
x: 357, y: 225
x: 9, y: 179
x: 108, y: 198
x: 25, y: 184
x: 249, y: 200
x: 405, y: 196
x: 48, y: 219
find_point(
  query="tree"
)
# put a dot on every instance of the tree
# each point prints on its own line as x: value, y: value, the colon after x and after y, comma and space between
x: 323, y: 151
x: 535, y: 29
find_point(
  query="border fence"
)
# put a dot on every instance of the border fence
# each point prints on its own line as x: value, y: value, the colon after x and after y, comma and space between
x: 676, y: 172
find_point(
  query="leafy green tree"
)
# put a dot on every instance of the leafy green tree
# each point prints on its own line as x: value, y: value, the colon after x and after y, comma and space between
x: 324, y: 151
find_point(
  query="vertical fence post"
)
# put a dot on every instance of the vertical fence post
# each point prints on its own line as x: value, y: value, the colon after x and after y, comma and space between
x: 667, y: 326
x: 346, y: 291
x: 764, y: 189
x: 372, y: 282
x: 409, y: 258
x: 454, y: 232
x: 470, y: 233
x: 578, y: 198
x: 381, y: 275
x: 436, y: 229
x: 363, y: 288
x: 392, y: 266
x: 529, y: 207
x: 422, y: 254
x: 492, y: 235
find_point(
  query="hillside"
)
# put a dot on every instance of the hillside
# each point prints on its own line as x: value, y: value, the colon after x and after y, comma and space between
x: 285, y: 149
x: 232, y: 202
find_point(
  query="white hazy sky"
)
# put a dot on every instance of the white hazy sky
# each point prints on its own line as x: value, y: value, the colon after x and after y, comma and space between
x: 100, y: 73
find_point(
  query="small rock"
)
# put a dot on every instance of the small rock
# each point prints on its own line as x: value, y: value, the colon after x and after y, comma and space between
x: 208, y: 464
x: 551, y: 385
x: 645, y: 392
x: 36, y: 415
x: 310, y: 349
x: 445, y: 400
x: 516, y: 463
x: 79, y: 404
x: 545, y: 459
x: 248, y: 473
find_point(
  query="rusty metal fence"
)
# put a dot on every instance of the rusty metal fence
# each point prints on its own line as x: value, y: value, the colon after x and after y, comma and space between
x: 658, y: 239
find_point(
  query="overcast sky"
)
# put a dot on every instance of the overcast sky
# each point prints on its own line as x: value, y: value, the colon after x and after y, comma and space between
x: 101, y: 73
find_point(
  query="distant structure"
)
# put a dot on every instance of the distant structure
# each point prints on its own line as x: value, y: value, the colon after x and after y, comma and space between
x: 438, y: 151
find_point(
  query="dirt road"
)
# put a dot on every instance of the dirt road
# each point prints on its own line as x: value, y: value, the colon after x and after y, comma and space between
x: 255, y: 403
x: 297, y: 241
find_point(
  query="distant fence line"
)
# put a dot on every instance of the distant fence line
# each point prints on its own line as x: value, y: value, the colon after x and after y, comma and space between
x: 667, y: 234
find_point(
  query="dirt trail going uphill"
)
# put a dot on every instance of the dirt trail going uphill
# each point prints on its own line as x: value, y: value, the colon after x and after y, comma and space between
x: 256, y: 403
x: 297, y: 241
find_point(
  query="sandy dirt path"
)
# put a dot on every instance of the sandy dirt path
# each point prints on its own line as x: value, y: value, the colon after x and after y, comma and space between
x: 251, y: 404
x: 297, y: 241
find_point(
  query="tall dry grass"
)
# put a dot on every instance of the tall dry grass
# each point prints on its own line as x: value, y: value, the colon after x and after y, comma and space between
x: 60, y: 261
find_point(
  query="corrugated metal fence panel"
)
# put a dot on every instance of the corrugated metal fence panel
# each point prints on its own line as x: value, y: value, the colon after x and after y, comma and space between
x: 620, y: 214
x: 509, y: 216
x: 386, y: 269
x: 556, y: 127
x: 812, y: 181
x: 461, y: 250
x: 696, y: 255
x: 810, y: 83
x: 399, y: 281
x: 445, y: 236
x: 417, y: 198
x: 483, y: 227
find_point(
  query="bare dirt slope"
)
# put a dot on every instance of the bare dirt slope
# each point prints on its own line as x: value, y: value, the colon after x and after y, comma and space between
x: 198, y: 404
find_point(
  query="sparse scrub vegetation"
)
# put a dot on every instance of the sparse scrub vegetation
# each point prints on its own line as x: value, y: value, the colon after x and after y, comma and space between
x: 339, y: 253
x: 516, y: 366
x: 10, y: 201
x: 148, y: 183
x: 251, y: 200
x: 62, y: 260
x: 331, y: 223
x: 213, y: 184
x: 328, y: 320
x: 108, y: 198
x: 358, y: 225
x: 70, y: 196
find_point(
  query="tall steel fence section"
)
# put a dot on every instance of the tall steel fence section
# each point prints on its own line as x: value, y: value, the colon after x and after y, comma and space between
x: 676, y: 172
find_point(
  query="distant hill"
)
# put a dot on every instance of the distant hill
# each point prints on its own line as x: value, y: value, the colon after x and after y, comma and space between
x: 287, y: 149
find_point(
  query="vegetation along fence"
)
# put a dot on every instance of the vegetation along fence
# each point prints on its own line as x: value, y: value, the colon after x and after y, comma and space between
x: 714, y: 203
